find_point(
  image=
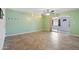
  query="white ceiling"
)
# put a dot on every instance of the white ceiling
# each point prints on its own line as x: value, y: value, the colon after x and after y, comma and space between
x: 40, y: 10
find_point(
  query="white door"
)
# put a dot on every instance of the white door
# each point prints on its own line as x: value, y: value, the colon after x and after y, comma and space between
x: 65, y: 24
x: 2, y: 32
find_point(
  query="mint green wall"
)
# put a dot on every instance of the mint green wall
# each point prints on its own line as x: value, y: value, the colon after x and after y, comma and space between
x: 74, y: 21
x: 18, y: 22
x: 45, y: 21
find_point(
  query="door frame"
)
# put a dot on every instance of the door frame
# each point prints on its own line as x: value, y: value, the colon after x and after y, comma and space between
x: 59, y: 18
x: 3, y: 20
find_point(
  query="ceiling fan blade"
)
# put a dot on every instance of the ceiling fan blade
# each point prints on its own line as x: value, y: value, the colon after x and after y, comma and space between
x: 47, y: 10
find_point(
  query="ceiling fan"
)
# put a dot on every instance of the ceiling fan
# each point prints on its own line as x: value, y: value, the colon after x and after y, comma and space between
x: 48, y: 12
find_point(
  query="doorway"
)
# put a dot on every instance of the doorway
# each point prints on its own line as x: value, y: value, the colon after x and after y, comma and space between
x: 61, y: 24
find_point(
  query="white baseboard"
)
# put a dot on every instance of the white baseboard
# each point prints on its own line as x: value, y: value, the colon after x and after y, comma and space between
x: 75, y: 35
x: 23, y: 33
x: 37, y: 31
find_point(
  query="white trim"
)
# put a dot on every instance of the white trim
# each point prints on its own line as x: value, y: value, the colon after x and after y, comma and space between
x: 37, y: 31
x: 75, y: 35
x: 23, y: 33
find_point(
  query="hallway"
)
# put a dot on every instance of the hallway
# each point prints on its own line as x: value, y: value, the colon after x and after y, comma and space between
x: 42, y: 41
